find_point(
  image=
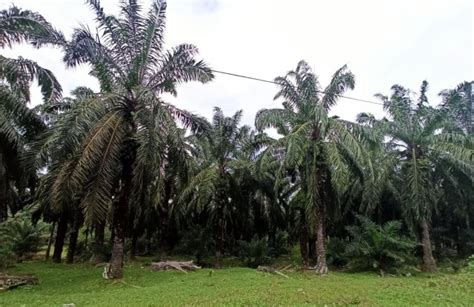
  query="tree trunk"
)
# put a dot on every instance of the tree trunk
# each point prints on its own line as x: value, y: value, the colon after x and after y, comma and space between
x: 148, y: 241
x: 321, y: 265
x: 312, y: 254
x: 73, y: 238
x: 220, y: 242
x: 304, y: 245
x: 50, y: 241
x: 119, y: 223
x: 3, y: 191
x: 429, y: 264
x: 221, y: 201
x: 59, y: 241
x: 99, y: 237
x: 86, y: 240
x: 133, y: 250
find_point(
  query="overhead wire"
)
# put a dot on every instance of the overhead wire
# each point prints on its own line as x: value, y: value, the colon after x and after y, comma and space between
x: 273, y: 82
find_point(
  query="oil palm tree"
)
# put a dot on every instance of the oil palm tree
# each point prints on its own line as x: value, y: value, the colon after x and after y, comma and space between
x: 19, y: 124
x: 427, y: 154
x: 210, y: 190
x: 377, y: 184
x: 458, y: 106
x: 458, y: 103
x: 320, y: 148
x: 54, y: 148
x: 128, y: 120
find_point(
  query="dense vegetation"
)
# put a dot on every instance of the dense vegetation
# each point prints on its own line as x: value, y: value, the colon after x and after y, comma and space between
x: 119, y: 173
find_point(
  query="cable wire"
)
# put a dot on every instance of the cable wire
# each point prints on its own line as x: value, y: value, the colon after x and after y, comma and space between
x: 273, y: 82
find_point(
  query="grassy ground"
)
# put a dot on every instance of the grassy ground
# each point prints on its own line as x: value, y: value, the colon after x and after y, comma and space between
x: 83, y: 286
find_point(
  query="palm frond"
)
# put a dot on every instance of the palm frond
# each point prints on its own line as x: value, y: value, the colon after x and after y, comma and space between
x: 342, y: 80
x: 21, y: 72
x: 98, y: 165
x: 19, y: 26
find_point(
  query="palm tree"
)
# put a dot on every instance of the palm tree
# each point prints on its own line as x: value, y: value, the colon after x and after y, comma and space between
x: 426, y: 153
x: 377, y: 184
x: 210, y: 190
x: 127, y: 121
x: 18, y: 123
x: 459, y: 104
x: 319, y: 147
x: 54, y: 148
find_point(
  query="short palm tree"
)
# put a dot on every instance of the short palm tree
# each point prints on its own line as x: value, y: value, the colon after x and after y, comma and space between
x: 210, y: 189
x: 128, y: 120
x: 321, y: 148
x: 426, y: 156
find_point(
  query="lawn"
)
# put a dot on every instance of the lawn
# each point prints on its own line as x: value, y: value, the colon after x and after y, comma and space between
x: 83, y: 286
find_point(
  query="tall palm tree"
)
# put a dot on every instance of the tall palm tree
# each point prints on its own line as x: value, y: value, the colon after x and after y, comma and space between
x: 427, y: 154
x: 319, y: 147
x: 128, y: 119
x: 18, y: 123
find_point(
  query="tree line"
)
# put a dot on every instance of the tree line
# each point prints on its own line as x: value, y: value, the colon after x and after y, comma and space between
x: 141, y: 176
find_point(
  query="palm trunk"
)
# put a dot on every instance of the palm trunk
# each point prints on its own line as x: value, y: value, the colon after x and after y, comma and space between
x: 60, y: 237
x: 73, y: 238
x: 50, y: 241
x: 220, y: 241
x: 321, y: 265
x: 119, y: 224
x: 313, y: 257
x: 429, y: 264
x: 148, y: 241
x: 86, y: 240
x: 133, y: 250
x: 304, y: 245
x: 3, y: 191
x: 221, y: 201
x: 99, y: 237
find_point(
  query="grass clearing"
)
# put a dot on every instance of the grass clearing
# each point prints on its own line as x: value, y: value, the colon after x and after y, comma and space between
x: 82, y: 285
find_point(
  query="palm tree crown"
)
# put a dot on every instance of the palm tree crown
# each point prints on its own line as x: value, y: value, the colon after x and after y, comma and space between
x: 127, y: 121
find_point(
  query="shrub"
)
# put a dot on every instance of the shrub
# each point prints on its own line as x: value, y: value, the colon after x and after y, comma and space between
x: 279, y: 245
x: 470, y: 263
x: 20, y: 238
x: 379, y: 247
x: 336, y: 252
x: 7, y: 256
x: 197, y: 242
x: 256, y: 252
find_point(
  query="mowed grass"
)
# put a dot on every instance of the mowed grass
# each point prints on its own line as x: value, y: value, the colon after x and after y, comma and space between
x: 84, y: 286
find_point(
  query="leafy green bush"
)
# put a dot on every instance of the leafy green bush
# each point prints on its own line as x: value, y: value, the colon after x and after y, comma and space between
x: 470, y: 263
x: 279, y: 245
x: 20, y: 238
x: 256, y: 252
x: 379, y: 247
x: 336, y: 252
x: 7, y: 256
x: 197, y: 242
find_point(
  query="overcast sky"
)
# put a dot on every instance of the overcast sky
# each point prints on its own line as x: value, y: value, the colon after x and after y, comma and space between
x: 383, y: 43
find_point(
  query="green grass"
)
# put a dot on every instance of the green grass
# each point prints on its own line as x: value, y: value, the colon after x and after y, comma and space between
x: 84, y: 286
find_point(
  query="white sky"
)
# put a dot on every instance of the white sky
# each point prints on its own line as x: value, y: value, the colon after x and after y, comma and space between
x: 383, y: 42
